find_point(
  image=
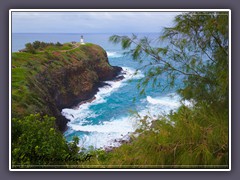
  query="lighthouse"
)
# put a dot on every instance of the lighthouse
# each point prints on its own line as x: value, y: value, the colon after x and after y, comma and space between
x: 81, y: 40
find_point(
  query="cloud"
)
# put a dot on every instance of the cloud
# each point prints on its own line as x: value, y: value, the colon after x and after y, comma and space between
x: 90, y: 22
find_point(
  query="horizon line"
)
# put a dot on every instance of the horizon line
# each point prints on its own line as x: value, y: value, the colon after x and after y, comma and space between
x: 79, y: 32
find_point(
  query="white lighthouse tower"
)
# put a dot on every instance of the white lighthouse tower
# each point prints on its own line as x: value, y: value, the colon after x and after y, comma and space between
x: 81, y: 40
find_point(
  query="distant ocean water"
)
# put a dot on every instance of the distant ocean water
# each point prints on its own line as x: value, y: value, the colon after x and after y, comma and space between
x: 108, y: 117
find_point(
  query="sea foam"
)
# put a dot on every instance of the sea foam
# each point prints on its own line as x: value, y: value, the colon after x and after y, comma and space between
x: 82, y: 112
x: 104, y: 134
x: 113, y: 54
x: 109, y: 131
x: 165, y: 101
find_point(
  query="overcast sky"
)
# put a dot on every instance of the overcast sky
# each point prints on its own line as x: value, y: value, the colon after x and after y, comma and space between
x: 90, y: 22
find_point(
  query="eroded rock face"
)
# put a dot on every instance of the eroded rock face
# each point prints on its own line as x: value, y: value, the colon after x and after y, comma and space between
x: 74, y: 81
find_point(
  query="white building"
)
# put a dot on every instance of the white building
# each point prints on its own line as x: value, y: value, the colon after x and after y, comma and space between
x: 81, y: 40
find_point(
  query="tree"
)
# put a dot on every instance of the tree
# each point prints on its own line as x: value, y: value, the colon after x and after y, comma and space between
x: 35, y: 141
x: 30, y: 48
x: 196, y: 51
x: 36, y: 44
x: 58, y: 44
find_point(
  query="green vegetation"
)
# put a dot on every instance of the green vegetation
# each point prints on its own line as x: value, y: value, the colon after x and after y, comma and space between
x: 42, y: 82
x: 36, y: 143
x: 38, y: 46
x: 197, y: 51
x: 194, y: 136
x: 190, y: 138
x: 35, y: 74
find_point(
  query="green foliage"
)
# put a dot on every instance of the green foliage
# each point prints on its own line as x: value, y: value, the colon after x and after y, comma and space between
x: 58, y: 44
x: 31, y: 96
x: 196, y: 51
x: 39, y: 46
x: 36, y: 142
x: 200, y: 42
x: 49, y: 55
x: 30, y: 48
x: 189, y: 138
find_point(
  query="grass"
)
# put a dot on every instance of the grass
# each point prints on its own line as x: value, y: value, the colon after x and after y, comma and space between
x: 189, y: 138
x: 66, y: 46
x: 199, y: 137
x: 51, y: 60
x: 194, y: 137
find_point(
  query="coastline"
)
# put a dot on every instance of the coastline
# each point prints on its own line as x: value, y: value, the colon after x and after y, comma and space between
x: 76, y: 104
x: 77, y: 114
x: 117, y: 141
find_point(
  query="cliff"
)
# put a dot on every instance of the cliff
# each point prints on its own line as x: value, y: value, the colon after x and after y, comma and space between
x: 54, y: 78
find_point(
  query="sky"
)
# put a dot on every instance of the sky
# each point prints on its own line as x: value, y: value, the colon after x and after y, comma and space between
x: 90, y: 22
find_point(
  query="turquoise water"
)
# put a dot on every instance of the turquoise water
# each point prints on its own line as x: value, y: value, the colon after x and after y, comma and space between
x: 109, y: 116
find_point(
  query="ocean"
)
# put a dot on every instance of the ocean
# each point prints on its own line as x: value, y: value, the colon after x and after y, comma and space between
x: 109, y: 118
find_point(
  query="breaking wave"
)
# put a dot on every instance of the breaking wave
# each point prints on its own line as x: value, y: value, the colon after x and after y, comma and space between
x: 113, y: 54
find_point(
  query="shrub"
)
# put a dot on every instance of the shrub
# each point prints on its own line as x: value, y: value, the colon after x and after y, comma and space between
x: 35, y: 141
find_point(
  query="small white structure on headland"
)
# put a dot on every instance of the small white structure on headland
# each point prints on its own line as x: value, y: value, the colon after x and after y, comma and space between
x: 81, y: 40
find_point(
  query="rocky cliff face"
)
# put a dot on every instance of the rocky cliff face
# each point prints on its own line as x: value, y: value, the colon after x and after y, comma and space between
x: 77, y: 81
x: 68, y: 77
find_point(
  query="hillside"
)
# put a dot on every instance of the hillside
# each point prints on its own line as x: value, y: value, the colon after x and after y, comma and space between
x: 57, y: 76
